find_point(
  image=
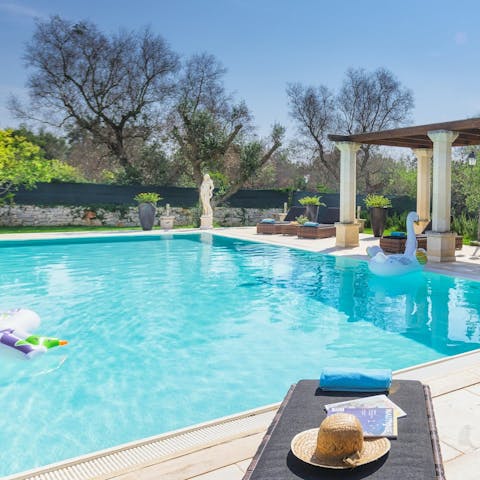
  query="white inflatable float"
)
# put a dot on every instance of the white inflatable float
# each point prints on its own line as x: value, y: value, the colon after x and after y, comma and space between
x: 15, y: 326
x: 411, y: 261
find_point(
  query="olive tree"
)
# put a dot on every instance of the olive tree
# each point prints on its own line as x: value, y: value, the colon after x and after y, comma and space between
x: 366, y: 102
x: 112, y: 86
x: 213, y: 133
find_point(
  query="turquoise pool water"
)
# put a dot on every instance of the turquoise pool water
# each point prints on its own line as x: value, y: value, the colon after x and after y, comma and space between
x: 168, y: 332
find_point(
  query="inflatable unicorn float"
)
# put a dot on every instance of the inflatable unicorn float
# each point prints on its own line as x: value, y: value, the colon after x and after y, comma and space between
x: 411, y: 261
x: 14, y: 327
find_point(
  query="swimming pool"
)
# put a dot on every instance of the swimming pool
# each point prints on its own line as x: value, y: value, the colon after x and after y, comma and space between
x: 169, y: 331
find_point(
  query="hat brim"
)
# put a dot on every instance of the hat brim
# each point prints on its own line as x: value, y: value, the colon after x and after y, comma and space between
x: 304, y: 445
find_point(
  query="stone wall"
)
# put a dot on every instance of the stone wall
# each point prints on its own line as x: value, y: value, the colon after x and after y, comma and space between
x: 32, y: 215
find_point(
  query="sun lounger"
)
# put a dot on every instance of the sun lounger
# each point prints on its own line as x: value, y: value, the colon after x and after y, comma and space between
x: 391, y: 244
x: 318, y: 231
x: 277, y: 227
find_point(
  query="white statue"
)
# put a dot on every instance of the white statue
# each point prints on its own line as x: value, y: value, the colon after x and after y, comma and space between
x: 206, y: 193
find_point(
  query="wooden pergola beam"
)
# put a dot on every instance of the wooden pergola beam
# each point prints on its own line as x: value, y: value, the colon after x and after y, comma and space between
x: 417, y: 137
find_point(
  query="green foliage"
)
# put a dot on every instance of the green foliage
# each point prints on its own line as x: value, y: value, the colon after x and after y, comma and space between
x: 23, y: 164
x: 372, y: 200
x: 397, y: 221
x: 311, y: 201
x: 51, y: 145
x: 399, y: 177
x: 302, y: 219
x: 321, y: 188
x: 220, y: 181
x: 250, y: 159
x: 61, y: 172
x: 465, y: 225
x: 147, y: 197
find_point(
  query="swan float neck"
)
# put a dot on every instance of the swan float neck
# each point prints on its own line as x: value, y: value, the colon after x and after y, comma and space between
x: 393, y: 265
x: 411, y: 244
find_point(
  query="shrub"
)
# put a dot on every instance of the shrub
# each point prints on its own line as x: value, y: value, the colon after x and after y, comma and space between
x: 465, y: 226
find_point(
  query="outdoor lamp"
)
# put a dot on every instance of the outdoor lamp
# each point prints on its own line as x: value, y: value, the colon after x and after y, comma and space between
x: 472, y: 159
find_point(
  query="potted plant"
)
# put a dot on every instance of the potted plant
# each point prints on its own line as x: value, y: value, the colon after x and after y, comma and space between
x: 377, y: 206
x: 147, y: 207
x: 312, y: 204
x: 302, y: 219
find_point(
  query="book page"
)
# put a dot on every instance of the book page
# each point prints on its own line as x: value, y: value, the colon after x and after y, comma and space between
x: 376, y: 422
x: 375, y: 401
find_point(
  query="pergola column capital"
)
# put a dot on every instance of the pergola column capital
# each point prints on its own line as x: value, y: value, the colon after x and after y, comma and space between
x: 348, y: 147
x: 423, y: 153
x: 442, y: 136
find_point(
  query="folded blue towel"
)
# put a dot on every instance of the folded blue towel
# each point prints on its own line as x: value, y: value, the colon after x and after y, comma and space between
x: 268, y: 220
x: 398, y: 234
x: 311, y: 224
x: 355, y: 380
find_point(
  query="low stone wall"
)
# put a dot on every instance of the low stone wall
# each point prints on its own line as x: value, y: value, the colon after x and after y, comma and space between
x: 33, y: 216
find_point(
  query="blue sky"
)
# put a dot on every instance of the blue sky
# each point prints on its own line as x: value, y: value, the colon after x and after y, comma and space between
x: 433, y: 47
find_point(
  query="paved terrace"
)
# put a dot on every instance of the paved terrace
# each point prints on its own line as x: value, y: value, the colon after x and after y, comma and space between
x: 222, y: 449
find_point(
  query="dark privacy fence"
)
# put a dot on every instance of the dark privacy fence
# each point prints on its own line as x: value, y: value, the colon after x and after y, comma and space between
x: 400, y: 203
x: 95, y: 194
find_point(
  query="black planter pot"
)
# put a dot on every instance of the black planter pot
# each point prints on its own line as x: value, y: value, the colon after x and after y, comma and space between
x: 312, y: 212
x: 146, y: 213
x: 378, y: 218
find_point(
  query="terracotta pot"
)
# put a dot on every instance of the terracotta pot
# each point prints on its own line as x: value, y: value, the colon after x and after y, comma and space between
x: 146, y: 213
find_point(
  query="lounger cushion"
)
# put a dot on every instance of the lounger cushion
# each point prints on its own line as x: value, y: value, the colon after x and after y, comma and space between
x: 267, y: 220
x: 311, y: 224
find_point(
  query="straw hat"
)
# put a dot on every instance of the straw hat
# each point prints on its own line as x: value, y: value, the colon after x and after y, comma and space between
x: 338, y: 443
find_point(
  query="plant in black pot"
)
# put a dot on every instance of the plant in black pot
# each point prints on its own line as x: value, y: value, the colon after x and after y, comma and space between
x: 147, y: 207
x: 311, y: 204
x: 377, y: 206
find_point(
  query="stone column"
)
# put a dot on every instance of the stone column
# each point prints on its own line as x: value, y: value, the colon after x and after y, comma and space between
x: 347, y: 229
x: 441, y: 242
x: 424, y: 169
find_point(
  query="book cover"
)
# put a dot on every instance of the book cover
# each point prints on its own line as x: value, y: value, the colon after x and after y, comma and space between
x: 374, y: 401
x: 376, y: 422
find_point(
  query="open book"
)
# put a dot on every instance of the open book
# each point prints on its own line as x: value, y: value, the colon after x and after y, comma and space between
x: 376, y: 422
x: 374, y: 401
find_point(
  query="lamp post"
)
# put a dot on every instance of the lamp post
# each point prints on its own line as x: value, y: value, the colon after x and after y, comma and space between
x: 472, y: 161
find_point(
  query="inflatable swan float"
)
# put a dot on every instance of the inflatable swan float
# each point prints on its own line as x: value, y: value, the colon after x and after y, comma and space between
x: 410, y: 261
x: 14, y: 327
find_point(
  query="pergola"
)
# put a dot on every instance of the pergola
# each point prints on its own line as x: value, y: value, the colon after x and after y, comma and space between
x: 435, y: 140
